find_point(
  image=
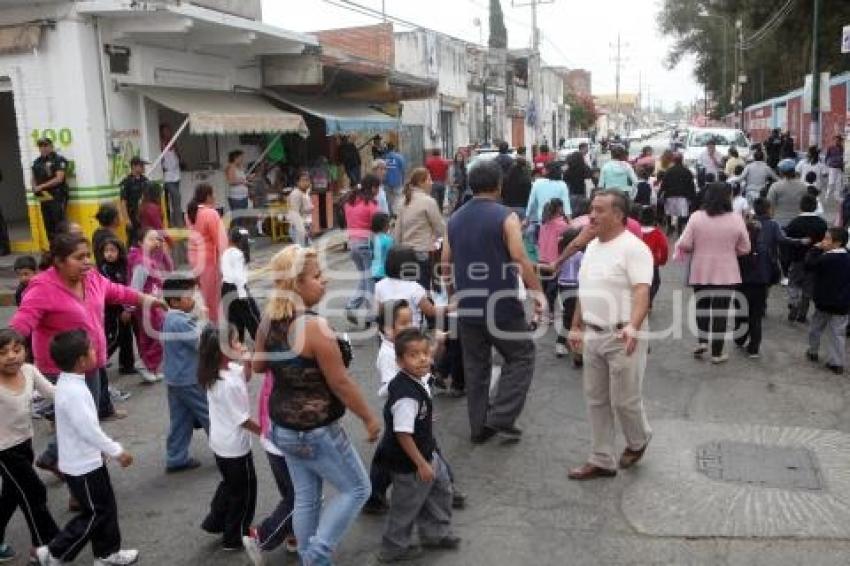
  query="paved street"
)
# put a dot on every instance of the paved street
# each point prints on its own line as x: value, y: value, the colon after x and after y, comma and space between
x: 522, y: 509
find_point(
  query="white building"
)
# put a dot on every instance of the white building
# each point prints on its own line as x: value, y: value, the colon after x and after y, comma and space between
x: 100, y: 76
x: 444, y: 118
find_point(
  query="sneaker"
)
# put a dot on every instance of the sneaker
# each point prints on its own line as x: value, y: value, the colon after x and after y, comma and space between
x: 7, y: 553
x: 720, y: 359
x: 252, y: 547
x: 754, y: 355
x: 458, y: 499
x: 509, y: 435
x: 399, y: 555
x: 148, y: 377
x: 784, y: 281
x: 118, y: 395
x: 700, y: 350
x: 560, y: 350
x: 120, y: 558
x: 837, y: 370
x: 291, y: 544
x: 44, y: 558
x: 812, y: 356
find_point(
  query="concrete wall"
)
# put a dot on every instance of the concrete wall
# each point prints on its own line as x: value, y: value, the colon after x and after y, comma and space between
x: 251, y: 9
x: 430, y: 55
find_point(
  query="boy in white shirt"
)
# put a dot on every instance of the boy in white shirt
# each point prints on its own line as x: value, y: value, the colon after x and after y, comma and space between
x: 82, y: 446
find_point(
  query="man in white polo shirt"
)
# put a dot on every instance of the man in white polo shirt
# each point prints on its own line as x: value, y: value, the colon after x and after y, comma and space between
x: 613, y: 302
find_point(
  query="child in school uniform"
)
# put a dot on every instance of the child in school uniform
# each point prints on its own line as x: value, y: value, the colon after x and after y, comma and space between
x: 568, y: 293
x: 422, y: 488
x: 149, y: 263
x: 812, y: 188
x: 82, y: 447
x: 25, y: 267
x: 242, y: 310
x: 22, y: 487
x: 656, y: 241
x: 187, y: 401
x: 393, y: 318
x: 277, y: 528
x: 829, y: 264
x: 118, y: 320
x: 232, y: 508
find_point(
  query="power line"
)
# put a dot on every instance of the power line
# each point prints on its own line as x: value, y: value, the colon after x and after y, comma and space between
x: 771, y: 25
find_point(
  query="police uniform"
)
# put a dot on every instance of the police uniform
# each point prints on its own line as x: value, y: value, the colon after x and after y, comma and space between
x: 132, y: 190
x: 55, y: 200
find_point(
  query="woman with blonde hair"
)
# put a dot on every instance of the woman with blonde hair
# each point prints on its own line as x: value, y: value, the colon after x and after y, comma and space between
x: 419, y: 223
x: 310, y: 393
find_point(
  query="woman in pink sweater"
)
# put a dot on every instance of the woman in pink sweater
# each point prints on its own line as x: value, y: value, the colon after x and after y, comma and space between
x: 715, y: 237
x: 68, y: 296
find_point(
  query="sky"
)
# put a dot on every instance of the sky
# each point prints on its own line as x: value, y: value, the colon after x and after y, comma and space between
x: 574, y: 33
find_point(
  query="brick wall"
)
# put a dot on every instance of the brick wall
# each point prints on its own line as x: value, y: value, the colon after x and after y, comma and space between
x: 373, y: 43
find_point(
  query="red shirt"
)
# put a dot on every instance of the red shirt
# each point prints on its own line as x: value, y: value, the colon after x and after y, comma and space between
x: 542, y: 160
x: 438, y: 168
x: 657, y: 243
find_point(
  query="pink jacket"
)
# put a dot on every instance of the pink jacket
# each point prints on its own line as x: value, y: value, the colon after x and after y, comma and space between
x: 550, y: 235
x: 50, y: 307
x: 714, y: 242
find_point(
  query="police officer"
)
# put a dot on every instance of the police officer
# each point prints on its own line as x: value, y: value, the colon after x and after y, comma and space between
x: 132, y: 188
x: 50, y: 185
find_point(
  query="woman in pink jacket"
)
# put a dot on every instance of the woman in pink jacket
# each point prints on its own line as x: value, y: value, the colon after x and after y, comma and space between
x: 207, y: 242
x: 715, y: 237
x: 70, y: 295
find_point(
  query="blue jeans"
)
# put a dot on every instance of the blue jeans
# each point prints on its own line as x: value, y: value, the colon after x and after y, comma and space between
x: 50, y: 456
x: 313, y: 457
x: 361, y: 255
x: 187, y: 406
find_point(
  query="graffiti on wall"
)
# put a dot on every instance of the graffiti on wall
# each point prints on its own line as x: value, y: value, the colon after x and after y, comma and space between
x: 63, y: 143
x: 125, y: 146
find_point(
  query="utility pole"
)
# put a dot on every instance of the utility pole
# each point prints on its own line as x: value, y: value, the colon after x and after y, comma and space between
x: 814, y: 132
x: 535, y: 64
x: 618, y: 61
x: 384, y: 10
x: 739, y: 75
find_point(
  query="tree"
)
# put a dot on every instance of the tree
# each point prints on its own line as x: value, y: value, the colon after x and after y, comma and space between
x: 774, y: 65
x: 498, y: 31
x: 583, y: 113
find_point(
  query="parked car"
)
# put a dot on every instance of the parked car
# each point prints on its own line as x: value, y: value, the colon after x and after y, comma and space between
x: 725, y: 138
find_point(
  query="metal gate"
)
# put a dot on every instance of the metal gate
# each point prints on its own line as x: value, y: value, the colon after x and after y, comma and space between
x: 411, y: 146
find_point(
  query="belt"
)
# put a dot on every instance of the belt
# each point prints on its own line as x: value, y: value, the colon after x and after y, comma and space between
x: 614, y: 328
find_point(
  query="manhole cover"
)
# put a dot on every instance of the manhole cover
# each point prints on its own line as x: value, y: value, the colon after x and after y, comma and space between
x: 759, y: 464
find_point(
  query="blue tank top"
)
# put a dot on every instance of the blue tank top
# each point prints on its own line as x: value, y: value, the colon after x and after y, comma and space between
x: 485, y: 278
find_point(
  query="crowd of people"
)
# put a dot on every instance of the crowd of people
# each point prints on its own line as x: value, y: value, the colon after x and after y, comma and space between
x: 452, y: 265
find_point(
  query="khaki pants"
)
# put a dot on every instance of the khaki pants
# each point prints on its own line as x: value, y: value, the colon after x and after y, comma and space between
x: 612, y: 384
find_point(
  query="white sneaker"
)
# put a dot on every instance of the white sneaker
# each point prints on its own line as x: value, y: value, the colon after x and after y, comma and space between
x: 44, y: 558
x: 120, y: 558
x: 719, y: 359
x: 560, y: 350
x: 253, y: 550
x: 148, y: 376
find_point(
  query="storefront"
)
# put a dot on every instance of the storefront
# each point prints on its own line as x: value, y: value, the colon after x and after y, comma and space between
x: 99, y: 78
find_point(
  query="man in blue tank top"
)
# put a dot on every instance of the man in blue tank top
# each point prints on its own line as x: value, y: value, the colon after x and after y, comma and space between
x: 486, y: 258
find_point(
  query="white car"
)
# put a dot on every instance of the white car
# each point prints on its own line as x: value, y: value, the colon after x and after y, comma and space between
x: 571, y: 145
x: 725, y: 138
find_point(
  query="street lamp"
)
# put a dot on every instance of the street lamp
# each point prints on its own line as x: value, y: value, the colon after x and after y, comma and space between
x: 725, y: 47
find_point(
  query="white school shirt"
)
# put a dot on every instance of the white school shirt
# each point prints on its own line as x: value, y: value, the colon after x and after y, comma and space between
x: 389, y: 289
x: 741, y: 205
x: 608, y: 272
x: 233, y: 270
x: 81, y: 441
x: 229, y: 408
x: 16, y: 408
x: 406, y: 409
x: 387, y: 366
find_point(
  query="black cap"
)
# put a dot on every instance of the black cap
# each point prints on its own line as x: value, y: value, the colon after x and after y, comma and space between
x: 44, y: 142
x: 137, y: 161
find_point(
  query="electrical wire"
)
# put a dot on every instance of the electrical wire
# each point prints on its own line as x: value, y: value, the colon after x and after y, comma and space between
x: 770, y: 26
